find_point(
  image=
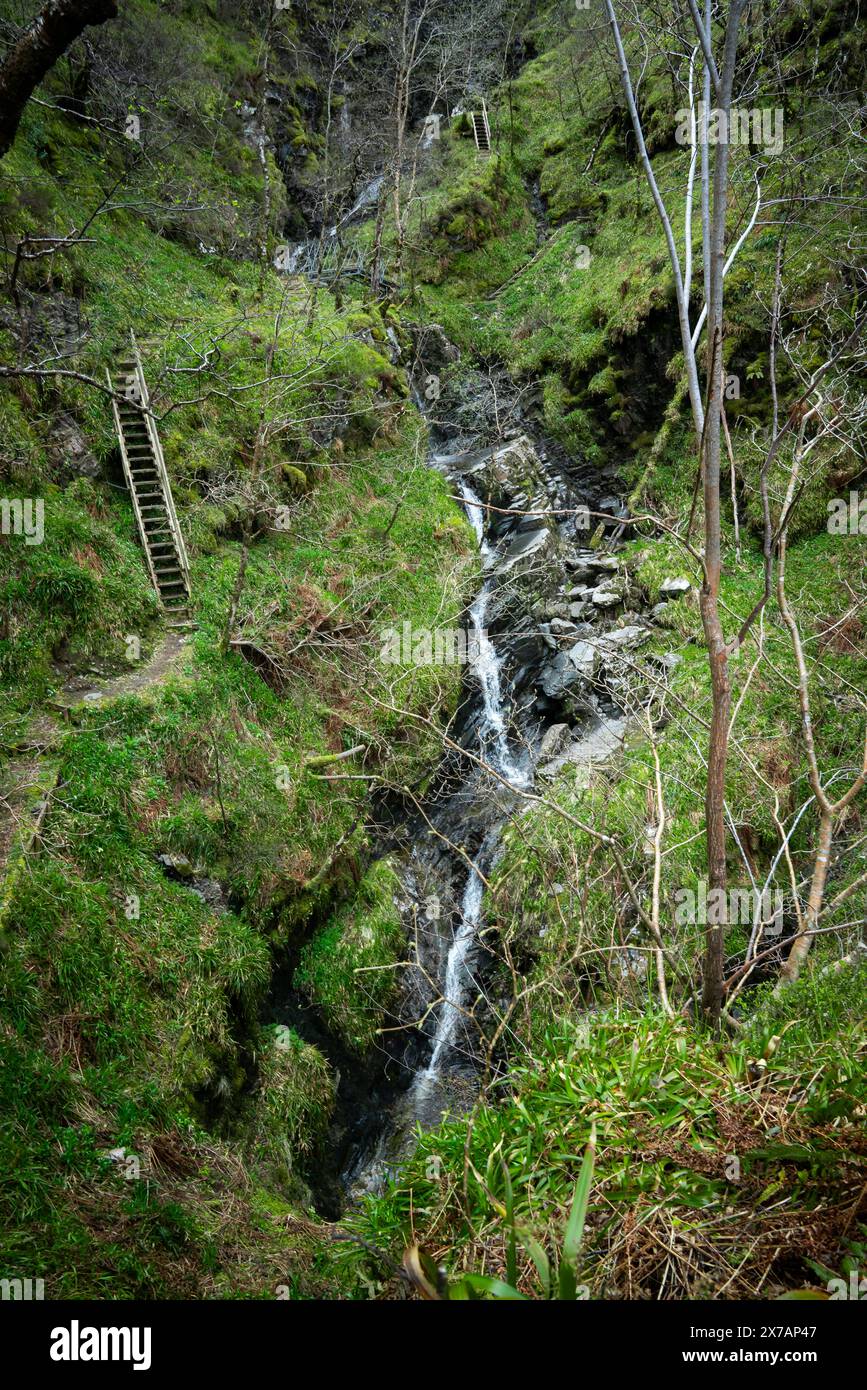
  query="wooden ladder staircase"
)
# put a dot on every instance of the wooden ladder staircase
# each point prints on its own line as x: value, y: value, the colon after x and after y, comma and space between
x: 481, y: 130
x: 149, y: 487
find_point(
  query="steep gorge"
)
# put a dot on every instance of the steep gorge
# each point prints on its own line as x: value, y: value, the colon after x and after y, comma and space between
x: 299, y: 897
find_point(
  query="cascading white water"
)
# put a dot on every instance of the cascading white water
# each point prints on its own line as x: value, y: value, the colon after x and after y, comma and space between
x: 494, y: 748
x: 487, y: 663
x: 457, y: 971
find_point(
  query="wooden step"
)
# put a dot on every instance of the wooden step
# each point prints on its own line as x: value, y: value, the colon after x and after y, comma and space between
x: 156, y: 521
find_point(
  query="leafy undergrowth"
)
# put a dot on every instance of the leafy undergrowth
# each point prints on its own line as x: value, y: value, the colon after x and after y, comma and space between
x: 718, y: 1173
x: 131, y: 1001
x: 347, y: 967
x: 156, y: 1138
x: 189, y: 842
x: 570, y: 939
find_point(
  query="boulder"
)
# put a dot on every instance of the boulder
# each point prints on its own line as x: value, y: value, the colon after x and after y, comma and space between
x: 433, y: 348
x: 580, y: 566
x: 674, y: 588
x: 606, y: 596
x: 622, y: 638
x: 599, y: 743
x: 514, y: 470
x: 579, y: 663
x: 584, y: 656
x: 554, y: 741
x: 604, y: 564
x: 531, y: 546
x: 176, y: 865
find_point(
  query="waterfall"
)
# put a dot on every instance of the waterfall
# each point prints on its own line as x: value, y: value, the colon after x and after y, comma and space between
x: 458, y: 974
x: 488, y: 767
x: 494, y: 748
x: 487, y: 664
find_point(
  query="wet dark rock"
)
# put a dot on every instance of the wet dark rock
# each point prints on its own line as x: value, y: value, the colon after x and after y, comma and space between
x: 431, y: 348
x: 532, y: 545
x: 578, y: 664
x: 211, y: 892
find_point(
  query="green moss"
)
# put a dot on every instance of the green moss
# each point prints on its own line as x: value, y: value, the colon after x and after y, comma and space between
x: 296, y: 1093
x: 347, y: 969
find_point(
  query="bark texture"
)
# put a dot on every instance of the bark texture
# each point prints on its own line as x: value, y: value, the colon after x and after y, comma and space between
x: 44, y: 40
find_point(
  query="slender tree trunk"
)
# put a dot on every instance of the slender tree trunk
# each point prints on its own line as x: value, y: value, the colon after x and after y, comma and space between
x: 44, y: 40
x: 682, y: 306
x: 712, y: 977
x: 803, y: 941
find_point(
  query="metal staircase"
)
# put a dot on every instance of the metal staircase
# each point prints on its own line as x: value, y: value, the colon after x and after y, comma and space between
x: 481, y: 130
x: 149, y: 487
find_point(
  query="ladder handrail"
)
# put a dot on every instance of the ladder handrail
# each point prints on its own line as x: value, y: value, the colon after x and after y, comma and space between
x: 162, y: 473
x: 127, y: 473
x: 481, y: 116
